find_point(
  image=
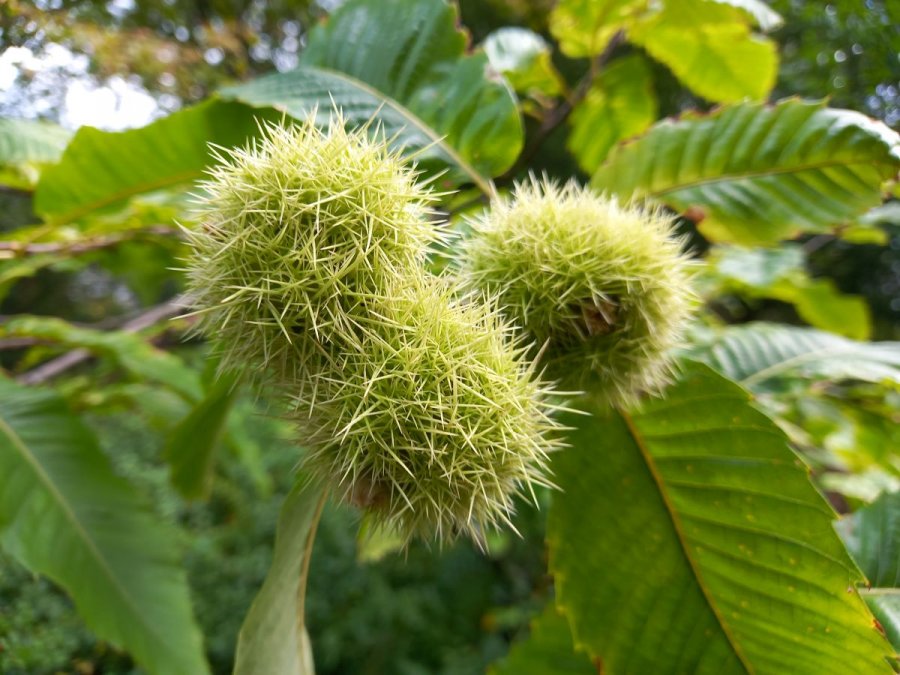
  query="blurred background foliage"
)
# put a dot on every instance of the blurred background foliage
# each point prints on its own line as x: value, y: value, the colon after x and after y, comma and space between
x: 428, y: 611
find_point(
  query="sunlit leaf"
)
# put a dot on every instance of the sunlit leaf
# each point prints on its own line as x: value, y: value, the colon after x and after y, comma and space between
x: 25, y: 147
x: 524, y: 58
x: 620, y: 104
x: 130, y: 351
x: 710, y: 48
x: 585, y: 27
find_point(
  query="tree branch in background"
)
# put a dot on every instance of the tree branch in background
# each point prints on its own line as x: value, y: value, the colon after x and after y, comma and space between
x: 19, y: 249
x: 55, y: 367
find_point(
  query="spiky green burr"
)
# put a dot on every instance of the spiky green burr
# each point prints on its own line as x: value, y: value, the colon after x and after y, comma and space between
x: 413, y: 403
x: 603, y: 288
x: 433, y: 420
x: 297, y: 230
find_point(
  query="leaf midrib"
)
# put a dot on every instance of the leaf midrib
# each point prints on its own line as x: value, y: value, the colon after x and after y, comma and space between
x: 404, y: 112
x: 676, y: 523
x: 70, y: 515
x: 761, y: 173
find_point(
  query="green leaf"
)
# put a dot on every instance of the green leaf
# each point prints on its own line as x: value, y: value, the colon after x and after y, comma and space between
x: 872, y: 535
x: 709, y: 47
x: 273, y: 638
x: 100, y: 169
x: 755, y: 174
x: 408, y: 69
x: 524, y: 58
x: 885, y: 605
x: 762, y: 15
x: 585, y: 27
x: 687, y: 538
x: 65, y: 514
x: 756, y: 354
x: 130, y: 351
x: 548, y: 649
x: 190, y: 449
x: 25, y: 147
x: 620, y: 104
x: 779, y: 273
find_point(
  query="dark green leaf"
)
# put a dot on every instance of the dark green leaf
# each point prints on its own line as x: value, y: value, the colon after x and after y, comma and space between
x: 872, y: 535
x: 408, y: 70
x: 885, y: 605
x: 65, y: 514
x: 753, y: 173
x: 190, y: 449
x: 585, y: 27
x: 687, y: 538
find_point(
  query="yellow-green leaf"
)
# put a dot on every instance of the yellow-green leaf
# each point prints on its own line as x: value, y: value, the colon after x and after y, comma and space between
x: 585, y: 27
x: 621, y: 103
x: 710, y: 48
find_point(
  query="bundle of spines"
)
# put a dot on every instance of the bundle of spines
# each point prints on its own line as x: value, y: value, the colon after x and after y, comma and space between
x: 433, y: 419
x: 413, y: 403
x: 603, y: 289
x: 299, y: 231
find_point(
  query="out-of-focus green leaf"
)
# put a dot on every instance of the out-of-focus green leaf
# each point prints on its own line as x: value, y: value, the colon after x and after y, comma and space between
x: 524, y: 58
x: 273, y: 638
x: 129, y: 350
x: 408, y: 70
x: 25, y: 147
x: 763, y: 16
x: 885, y: 605
x: 585, y: 27
x: 65, y: 514
x: 872, y: 535
x: 755, y: 174
x: 621, y: 103
x: 755, y: 354
x: 687, y: 538
x: 190, y: 448
x: 548, y: 649
x: 100, y: 169
x: 779, y: 273
x: 710, y: 48
x: 865, y: 486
